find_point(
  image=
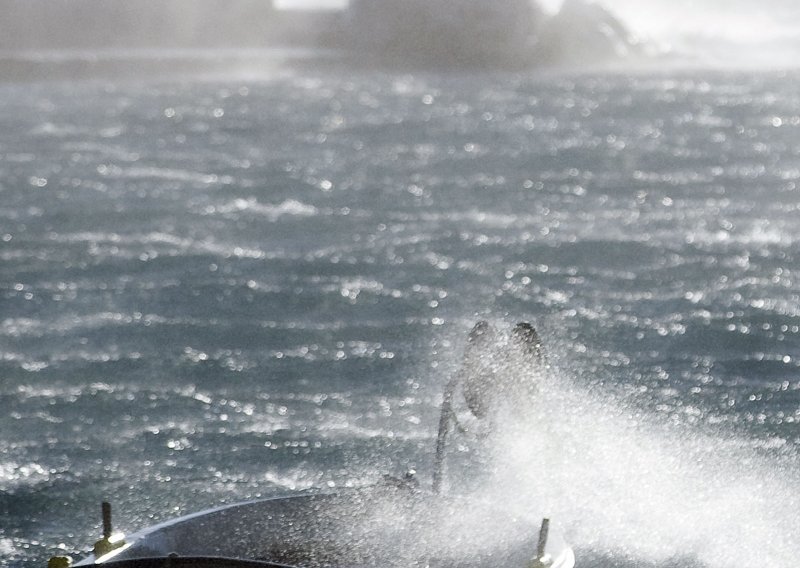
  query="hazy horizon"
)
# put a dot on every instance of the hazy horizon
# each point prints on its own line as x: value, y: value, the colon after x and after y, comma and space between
x: 711, y: 33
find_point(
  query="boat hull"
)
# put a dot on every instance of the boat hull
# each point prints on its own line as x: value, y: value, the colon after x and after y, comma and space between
x: 388, y: 525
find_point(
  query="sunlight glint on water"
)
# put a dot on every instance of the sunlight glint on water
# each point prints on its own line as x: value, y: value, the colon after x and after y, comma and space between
x: 203, y: 306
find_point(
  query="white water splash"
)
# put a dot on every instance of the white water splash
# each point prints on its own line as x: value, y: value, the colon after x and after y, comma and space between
x: 637, y: 490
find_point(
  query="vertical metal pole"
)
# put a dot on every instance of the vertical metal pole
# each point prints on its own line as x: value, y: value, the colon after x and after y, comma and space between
x: 441, y: 437
x: 106, y: 520
x: 543, y: 538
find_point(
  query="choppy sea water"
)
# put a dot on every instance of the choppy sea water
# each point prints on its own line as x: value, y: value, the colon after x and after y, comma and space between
x: 217, y: 290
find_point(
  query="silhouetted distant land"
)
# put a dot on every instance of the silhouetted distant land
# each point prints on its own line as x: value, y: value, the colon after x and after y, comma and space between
x: 394, y: 33
x: 454, y: 33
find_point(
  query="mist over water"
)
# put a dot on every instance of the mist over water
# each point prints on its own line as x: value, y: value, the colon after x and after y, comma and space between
x: 735, y: 34
x: 649, y: 34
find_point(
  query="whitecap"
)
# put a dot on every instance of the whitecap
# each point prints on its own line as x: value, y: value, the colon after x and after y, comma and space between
x: 289, y: 207
x: 6, y: 546
x: 293, y: 481
x: 167, y: 174
x: 14, y: 474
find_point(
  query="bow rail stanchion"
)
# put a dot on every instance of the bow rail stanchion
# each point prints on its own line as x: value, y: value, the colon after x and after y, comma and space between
x: 441, y: 437
x: 542, y: 560
x: 543, y: 537
x: 111, y: 541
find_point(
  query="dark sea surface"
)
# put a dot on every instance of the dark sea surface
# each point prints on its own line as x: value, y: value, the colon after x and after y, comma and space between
x: 214, y: 290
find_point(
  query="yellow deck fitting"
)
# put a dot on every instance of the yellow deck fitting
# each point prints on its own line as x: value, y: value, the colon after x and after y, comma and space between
x: 59, y: 562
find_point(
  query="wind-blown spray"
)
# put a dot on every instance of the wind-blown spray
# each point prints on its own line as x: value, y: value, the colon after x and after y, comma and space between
x: 633, y: 490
